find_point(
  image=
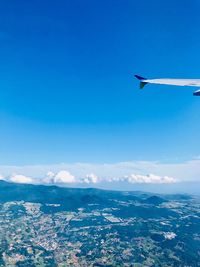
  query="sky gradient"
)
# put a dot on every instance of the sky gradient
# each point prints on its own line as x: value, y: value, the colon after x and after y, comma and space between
x: 67, y: 88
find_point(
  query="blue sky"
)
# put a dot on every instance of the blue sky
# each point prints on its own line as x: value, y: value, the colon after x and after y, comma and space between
x: 68, y: 93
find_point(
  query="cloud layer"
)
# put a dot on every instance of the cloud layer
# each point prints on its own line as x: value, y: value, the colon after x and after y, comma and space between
x: 148, y: 179
x: 65, y: 177
x: 134, y: 172
x: 183, y: 171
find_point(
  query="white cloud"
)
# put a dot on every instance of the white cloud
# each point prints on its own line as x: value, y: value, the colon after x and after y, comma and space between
x: 18, y: 178
x: 1, y: 177
x: 64, y: 177
x: 48, y: 178
x: 150, y: 179
x: 144, y: 179
x: 61, y: 177
x: 50, y: 174
x: 91, y: 178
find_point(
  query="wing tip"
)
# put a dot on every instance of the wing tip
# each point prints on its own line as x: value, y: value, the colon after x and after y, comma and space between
x: 142, y: 81
x: 196, y: 93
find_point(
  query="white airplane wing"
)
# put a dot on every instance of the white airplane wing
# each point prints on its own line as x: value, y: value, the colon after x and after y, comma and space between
x: 169, y: 81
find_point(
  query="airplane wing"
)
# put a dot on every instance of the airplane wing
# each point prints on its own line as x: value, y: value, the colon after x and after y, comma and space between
x: 169, y: 81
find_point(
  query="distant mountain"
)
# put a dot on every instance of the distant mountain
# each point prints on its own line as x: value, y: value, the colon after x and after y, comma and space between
x: 73, y: 198
x: 55, y: 194
x: 68, y: 198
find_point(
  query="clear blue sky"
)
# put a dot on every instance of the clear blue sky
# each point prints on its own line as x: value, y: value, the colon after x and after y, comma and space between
x: 67, y: 91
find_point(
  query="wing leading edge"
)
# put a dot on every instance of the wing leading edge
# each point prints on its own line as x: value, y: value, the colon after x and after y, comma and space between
x: 169, y: 81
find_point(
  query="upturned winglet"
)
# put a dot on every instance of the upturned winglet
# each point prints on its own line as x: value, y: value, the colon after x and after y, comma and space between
x: 196, y: 93
x: 142, y: 81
